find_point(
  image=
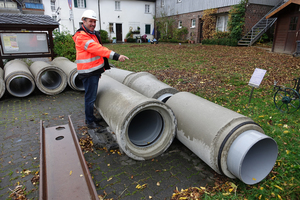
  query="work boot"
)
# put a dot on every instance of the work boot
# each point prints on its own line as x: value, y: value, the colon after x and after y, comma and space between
x: 92, y: 125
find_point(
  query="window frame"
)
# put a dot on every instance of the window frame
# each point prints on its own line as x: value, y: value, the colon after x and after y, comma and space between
x: 147, y: 8
x: 193, y: 23
x: 149, y: 29
x: 52, y: 3
x: 162, y: 3
x: 117, y: 5
x: 179, y: 24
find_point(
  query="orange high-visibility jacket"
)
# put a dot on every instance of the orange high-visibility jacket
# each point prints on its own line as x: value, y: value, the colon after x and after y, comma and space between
x: 90, y: 54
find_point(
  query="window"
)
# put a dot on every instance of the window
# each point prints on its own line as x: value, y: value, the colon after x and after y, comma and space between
x: 54, y: 17
x: 193, y: 23
x: 53, y: 6
x: 162, y: 2
x: 293, y: 23
x: 117, y: 5
x: 111, y: 27
x: 147, y: 8
x: 222, y: 23
x: 80, y: 3
x: 147, y: 28
x: 180, y: 24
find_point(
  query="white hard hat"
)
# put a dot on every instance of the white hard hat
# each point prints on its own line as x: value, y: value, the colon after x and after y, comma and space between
x: 89, y: 14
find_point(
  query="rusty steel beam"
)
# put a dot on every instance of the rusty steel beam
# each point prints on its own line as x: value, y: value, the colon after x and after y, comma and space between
x: 63, y: 171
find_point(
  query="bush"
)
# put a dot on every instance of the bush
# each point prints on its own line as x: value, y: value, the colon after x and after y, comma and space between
x: 64, y: 45
x: 179, y: 34
x: 104, y: 36
x: 131, y: 40
x: 236, y: 20
x: 221, y: 41
x: 173, y: 40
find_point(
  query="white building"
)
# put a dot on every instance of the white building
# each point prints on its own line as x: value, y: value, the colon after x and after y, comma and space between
x: 116, y: 17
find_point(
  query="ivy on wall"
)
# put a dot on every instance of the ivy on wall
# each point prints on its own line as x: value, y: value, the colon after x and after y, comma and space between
x: 236, y: 20
x: 209, y: 25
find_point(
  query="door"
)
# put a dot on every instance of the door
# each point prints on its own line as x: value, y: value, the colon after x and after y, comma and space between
x: 290, y: 45
x: 200, y: 31
x: 119, y: 32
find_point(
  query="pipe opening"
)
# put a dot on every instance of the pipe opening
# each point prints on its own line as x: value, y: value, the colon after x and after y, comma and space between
x: 78, y: 83
x: 51, y: 79
x: 20, y: 86
x: 145, y: 128
x: 252, y: 156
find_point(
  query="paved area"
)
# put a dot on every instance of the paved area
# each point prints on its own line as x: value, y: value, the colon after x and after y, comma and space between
x: 115, y: 176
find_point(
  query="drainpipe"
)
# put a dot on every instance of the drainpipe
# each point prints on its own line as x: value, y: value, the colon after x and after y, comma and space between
x: 2, y: 84
x: 18, y: 79
x: 49, y: 79
x: 230, y: 143
x: 143, y: 127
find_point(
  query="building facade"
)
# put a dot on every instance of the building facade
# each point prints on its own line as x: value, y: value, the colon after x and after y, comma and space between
x: 188, y: 13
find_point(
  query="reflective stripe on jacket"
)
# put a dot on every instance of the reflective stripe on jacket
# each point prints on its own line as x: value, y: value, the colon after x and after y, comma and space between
x: 89, y: 52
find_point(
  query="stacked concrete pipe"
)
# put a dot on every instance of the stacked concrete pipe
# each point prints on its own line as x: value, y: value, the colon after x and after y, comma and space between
x: 2, y: 84
x: 144, y: 128
x: 148, y: 85
x: 228, y: 142
x: 118, y: 74
x: 18, y: 78
x: 49, y: 79
x: 70, y: 69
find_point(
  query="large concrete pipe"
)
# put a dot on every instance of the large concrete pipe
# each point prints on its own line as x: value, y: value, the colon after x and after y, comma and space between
x: 70, y: 69
x: 148, y: 85
x: 49, y: 79
x: 2, y: 84
x: 228, y: 142
x: 144, y: 127
x: 118, y: 74
x: 18, y: 78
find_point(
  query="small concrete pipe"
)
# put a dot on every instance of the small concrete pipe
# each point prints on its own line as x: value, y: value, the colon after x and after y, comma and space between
x: 228, y: 142
x: 143, y: 127
x: 70, y: 69
x: 18, y: 78
x: 49, y: 79
x: 118, y: 74
x: 148, y: 85
x: 2, y: 84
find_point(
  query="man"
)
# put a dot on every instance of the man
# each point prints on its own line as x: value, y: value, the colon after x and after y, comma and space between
x: 91, y: 59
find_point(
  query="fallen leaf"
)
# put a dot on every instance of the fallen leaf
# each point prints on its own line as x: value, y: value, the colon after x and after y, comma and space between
x: 71, y: 172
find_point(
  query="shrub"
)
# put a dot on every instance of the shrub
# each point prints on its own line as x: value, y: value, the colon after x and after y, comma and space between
x: 220, y: 34
x: 221, y: 41
x: 173, y: 40
x: 131, y: 40
x: 104, y: 36
x: 64, y: 45
x: 236, y: 20
x: 179, y: 34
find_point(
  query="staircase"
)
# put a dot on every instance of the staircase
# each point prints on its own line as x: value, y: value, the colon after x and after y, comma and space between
x: 259, y: 28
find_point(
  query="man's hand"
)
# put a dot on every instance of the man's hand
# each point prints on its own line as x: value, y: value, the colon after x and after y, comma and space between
x: 123, y: 58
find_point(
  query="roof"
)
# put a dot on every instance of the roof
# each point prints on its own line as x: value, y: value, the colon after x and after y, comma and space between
x: 26, y: 21
x: 282, y: 7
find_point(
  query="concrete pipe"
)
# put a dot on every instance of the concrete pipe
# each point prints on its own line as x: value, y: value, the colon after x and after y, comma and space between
x: 70, y: 69
x: 148, y: 85
x: 143, y: 127
x: 118, y: 74
x: 2, y: 84
x: 18, y: 78
x: 228, y: 142
x: 49, y: 79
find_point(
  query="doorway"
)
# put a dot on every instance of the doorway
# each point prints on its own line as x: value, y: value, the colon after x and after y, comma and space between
x: 119, y: 32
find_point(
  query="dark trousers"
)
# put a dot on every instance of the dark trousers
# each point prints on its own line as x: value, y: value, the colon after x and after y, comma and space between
x: 90, y: 86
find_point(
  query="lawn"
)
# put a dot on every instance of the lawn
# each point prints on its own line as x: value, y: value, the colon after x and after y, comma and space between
x: 221, y: 74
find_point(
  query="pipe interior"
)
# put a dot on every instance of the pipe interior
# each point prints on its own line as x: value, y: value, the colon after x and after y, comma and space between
x: 51, y: 79
x: 145, y: 128
x: 20, y: 86
x: 259, y: 161
x: 78, y: 83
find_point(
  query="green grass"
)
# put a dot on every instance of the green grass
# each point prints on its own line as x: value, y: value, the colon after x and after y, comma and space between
x: 221, y: 75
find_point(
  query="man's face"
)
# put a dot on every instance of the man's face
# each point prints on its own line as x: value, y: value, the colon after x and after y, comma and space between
x: 89, y: 23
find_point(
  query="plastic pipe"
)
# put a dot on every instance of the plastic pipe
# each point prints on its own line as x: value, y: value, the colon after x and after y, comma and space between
x: 49, y: 79
x: 70, y: 69
x: 148, y: 85
x: 143, y: 127
x: 2, y: 84
x: 118, y: 74
x: 18, y: 78
x: 230, y: 143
